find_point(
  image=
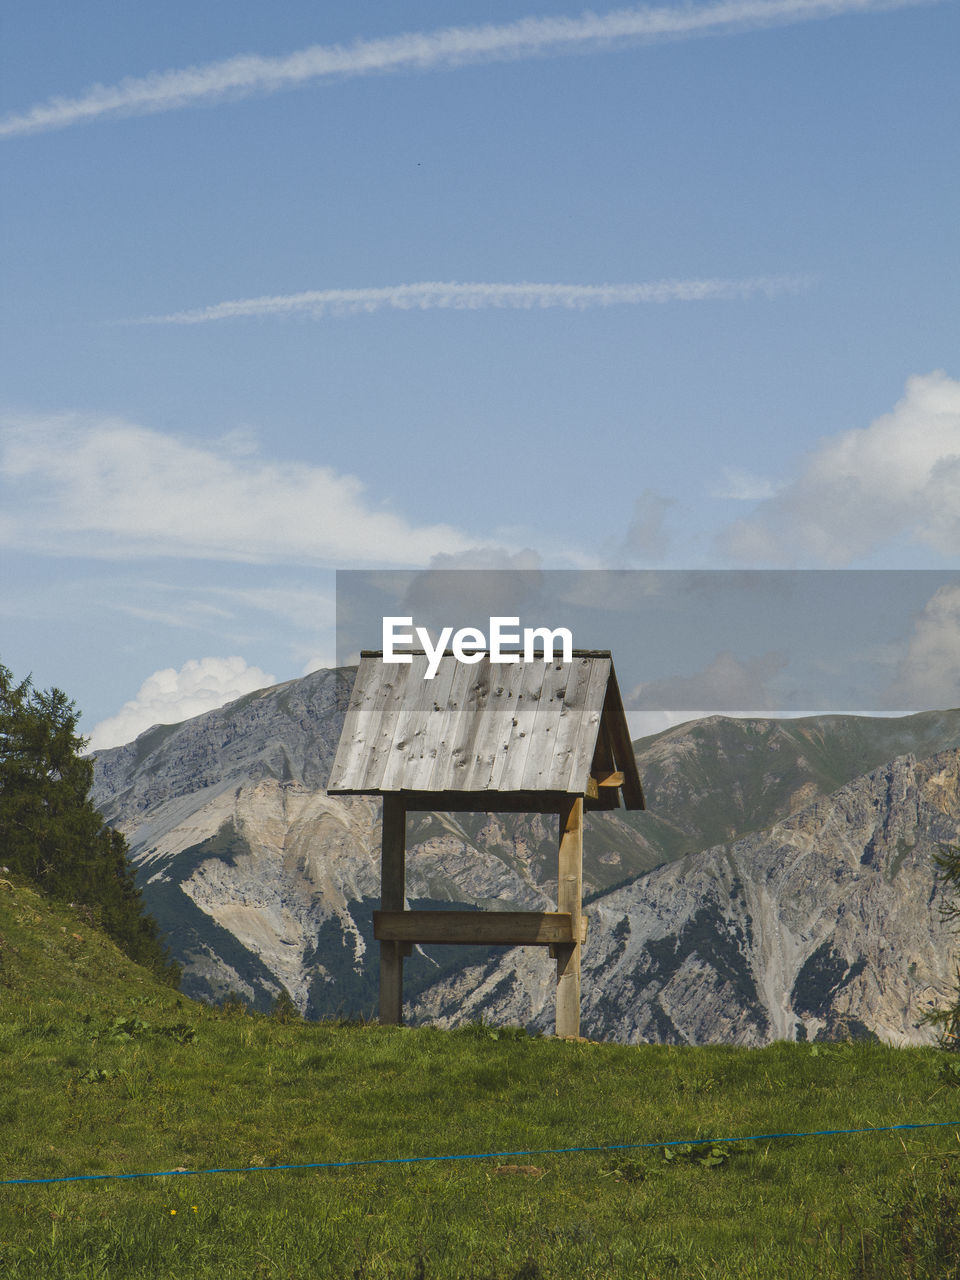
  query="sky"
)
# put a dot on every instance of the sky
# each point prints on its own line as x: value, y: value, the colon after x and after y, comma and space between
x: 294, y: 288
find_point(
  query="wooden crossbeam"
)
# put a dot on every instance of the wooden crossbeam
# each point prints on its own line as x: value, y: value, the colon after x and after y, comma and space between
x: 501, y: 928
x: 609, y: 779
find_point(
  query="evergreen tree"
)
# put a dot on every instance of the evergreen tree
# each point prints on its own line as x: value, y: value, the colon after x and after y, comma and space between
x: 50, y: 831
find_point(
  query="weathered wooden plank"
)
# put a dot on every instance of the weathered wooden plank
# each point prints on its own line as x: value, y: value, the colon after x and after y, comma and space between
x: 350, y: 761
x: 569, y: 896
x: 441, y: 708
x: 392, y: 863
x: 499, y: 928
x: 588, y: 728
x: 438, y: 762
x: 484, y: 801
x: 393, y: 848
x: 538, y: 770
x: 452, y: 767
x: 493, y: 765
x: 382, y: 711
x: 435, y: 713
x: 616, y: 724
x: 575, y: 699
x: 548, y: 765
x: 410, y: 723
x: 497, y: 721
x: 508, y: 767
x: 535, y: 693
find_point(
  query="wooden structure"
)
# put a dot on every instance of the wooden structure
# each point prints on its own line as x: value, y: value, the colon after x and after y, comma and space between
x: 542, y: 737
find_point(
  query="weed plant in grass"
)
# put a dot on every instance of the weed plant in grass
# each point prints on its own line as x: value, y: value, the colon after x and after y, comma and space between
x: 105, y: 1071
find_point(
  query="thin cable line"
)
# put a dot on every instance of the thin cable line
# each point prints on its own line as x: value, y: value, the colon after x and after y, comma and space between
x: 484, y: 1155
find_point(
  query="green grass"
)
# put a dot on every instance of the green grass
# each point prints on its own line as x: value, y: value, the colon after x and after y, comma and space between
x: 105, y: 1071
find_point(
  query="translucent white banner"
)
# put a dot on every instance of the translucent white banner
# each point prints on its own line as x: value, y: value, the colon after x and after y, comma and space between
x: 698, y: 641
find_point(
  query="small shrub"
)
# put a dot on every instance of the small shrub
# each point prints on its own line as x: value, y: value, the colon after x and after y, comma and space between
x: 284, y: 1010
x: 709, y: 1155
x: 234, y: 1006
x: 181, y: 1032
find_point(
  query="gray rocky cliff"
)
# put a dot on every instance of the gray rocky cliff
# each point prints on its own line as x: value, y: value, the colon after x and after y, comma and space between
x: 827, y: 924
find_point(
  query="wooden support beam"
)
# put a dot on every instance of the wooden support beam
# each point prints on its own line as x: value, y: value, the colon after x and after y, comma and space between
x: 603, y: 761
x: 477, y: 928
x: 392, y: 872
x: 621, y: 745
x: 489, y: 801
x: 569, y: 896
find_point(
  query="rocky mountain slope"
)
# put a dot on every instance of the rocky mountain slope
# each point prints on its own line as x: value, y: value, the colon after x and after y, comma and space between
x: 260, y: 879
x: 826, y: 924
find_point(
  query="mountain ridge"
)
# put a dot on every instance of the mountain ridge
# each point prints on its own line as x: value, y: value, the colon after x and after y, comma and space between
x: 262, y: 880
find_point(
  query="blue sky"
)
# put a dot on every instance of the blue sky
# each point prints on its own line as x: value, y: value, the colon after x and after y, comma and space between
x: 736, y: 344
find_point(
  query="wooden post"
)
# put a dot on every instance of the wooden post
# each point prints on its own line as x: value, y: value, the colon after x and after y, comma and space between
x: 569, y: 895
x: 392, y: 870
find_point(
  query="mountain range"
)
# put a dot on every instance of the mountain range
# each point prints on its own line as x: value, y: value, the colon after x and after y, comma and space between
x: 780, y: 884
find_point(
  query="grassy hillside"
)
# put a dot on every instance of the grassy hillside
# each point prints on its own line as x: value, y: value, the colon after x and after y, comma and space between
x: 106, y: 1071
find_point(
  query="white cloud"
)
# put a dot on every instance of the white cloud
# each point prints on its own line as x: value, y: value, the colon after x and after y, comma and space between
x: 728, y: 684
x: 928, y: 676
x: 306, y: 608
x: 429, y: 295
x: 249, y: 74
x: 109, y: 488
x: 743, y: 486
x: 646, y: 539
x: 858, y: 491
x: 191, y: 614
x: 169, y: 696
x: 467, y: 589
x: 489, y: 558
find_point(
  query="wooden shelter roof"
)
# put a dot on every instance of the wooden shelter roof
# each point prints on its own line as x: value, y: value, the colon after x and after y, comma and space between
x: 488, y: 736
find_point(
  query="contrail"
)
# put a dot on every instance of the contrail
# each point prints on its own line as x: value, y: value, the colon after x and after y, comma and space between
x: 248, y: 74
x: 428, y: 295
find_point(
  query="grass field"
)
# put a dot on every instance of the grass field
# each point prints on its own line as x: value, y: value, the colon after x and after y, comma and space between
x: 105, y: 1071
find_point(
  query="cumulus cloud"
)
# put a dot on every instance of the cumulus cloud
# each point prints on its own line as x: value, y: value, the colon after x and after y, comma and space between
x: 169, y: 696
x: 743, y: 486
x: 489, y: 558
x: 110, y: 488
x: 858, y: 491
x: 646, y: 539
x: 249, y: 74
x: 429, y: 295
x: 928, y: 675
x: 728, y: 684
x: 468, y: 589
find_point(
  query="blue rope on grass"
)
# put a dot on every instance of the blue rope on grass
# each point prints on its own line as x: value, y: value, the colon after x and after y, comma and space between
x: 485, y: 1155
